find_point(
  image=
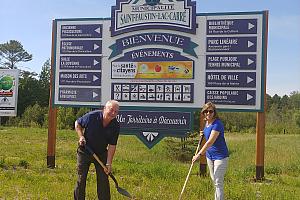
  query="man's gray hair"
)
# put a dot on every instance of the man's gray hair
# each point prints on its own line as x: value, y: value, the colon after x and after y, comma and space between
x: 113, y: 102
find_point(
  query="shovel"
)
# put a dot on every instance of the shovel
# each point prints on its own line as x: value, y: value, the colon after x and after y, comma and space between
x: 188, y: 175
x: 119, y: 189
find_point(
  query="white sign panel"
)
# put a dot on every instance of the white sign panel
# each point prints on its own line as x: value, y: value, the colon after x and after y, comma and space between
x: 9, y: 79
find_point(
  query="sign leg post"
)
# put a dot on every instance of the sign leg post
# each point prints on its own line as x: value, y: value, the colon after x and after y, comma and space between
x: 203, y: 164
x: 261, y: 119
x: 51, y: 117
x: 260, y: 145
x: 51, y: 137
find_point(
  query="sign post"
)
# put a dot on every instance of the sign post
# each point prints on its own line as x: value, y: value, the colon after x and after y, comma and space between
x: 260, y: 118
x: 52, y: 119
x: 51, y: 137
x: 203, y: 163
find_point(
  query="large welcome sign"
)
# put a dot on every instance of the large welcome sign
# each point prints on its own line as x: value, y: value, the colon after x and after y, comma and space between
x: 159, y: 56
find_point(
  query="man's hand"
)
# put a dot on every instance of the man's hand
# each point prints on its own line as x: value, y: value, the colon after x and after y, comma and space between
x: 82, y: 141
x: 108, y: 169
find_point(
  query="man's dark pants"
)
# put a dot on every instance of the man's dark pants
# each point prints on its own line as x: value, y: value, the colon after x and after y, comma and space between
x: 84, y: 161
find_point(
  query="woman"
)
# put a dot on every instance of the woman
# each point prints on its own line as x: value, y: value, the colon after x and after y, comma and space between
x: 215, y: 148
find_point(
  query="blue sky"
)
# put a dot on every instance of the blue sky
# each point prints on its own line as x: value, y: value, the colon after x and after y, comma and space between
x: 30, y: 21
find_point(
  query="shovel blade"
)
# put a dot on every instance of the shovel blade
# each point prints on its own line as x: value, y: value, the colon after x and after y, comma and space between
x: 124, y: 192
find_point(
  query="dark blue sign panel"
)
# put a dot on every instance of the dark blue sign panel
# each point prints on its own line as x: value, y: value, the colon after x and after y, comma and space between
x: 81, y: 47
x: 152, y: 126
x: 79, y: 94
x: 166, y: 39
x: 151, y: 55
x: 80, y: 78
x: 231, y: 97
x: 80, y: 62
x: 155, y: 120
x: 231, y: 62
x: 231, y: 79
x: 81, y: 31
x: 231, y: 26
x: 231, y: 44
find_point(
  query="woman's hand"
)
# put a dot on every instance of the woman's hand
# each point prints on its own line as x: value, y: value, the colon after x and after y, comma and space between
x: 196, y: 157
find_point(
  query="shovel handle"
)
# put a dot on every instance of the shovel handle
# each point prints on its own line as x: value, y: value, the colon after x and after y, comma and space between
x: 95, y: 156
x: 200, y: 141
x: 188, y: 175
x: 119, y: 189
x: 101, y: 163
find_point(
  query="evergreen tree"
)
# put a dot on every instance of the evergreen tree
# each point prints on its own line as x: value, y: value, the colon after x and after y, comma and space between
x: 28, y: 92
x: 11, y: 53
x: 44, y: 84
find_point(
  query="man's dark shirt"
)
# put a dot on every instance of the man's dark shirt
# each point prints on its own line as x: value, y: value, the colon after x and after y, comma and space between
x: 97, y: 137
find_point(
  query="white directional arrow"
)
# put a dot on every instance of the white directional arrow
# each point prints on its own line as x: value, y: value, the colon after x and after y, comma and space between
x: 95, y: 94
x: 249, y: 79
x: 250, y: 61
x: 95, y: 62
x: 96, y: 46
x: 250, y: 26
x: 249, y: 97
x: 95, y: 78
x: 250, y: 44
x: 98, y: 30
x: 150, y: 135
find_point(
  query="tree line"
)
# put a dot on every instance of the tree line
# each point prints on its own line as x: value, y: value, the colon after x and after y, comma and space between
x: 282, y: 113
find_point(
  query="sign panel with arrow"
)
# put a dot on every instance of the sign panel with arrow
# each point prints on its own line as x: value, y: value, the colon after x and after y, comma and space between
x: 231, y: 97
x: 231, y: 79
x: 80, y: 62
x: 79, y: 94
x: 231, y: 44
x: 231, y: 62
x: 231, y: 26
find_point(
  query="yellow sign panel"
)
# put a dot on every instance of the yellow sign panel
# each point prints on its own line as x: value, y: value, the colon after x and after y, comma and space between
x: 165, y: 70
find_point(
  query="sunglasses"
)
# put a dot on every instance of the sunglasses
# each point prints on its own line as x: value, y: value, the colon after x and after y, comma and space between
x: 208, y: 111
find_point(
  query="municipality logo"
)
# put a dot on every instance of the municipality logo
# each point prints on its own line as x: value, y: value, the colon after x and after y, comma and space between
x: 135, y: 15
x: 152, y: 2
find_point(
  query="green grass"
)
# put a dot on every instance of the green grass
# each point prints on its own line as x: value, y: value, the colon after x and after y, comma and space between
x: 158, y: 173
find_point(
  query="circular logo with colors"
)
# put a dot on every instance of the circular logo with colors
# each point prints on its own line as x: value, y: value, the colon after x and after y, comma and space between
x: 6, y: 83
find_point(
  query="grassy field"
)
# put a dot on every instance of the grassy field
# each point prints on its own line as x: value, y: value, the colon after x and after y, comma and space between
x: 158, y: 173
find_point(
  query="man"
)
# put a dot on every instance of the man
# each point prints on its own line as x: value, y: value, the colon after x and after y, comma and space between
x: 100, y: 131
